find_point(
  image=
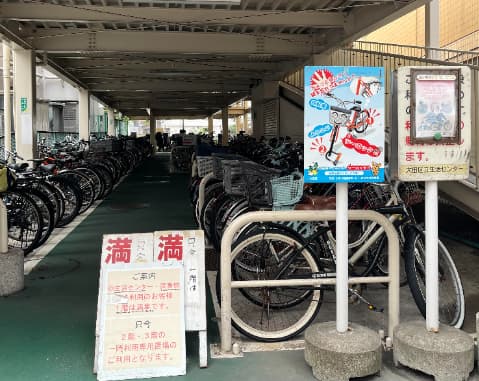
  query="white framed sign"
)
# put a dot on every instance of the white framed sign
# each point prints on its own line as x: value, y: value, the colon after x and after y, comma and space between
x: 434, y: 123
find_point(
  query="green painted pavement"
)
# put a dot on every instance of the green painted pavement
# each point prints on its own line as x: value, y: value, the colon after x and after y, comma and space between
x: 47, y: 331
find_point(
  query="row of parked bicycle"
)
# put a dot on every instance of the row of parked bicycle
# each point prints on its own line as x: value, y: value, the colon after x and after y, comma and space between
x: 51, y: 191
x: 298, y: 249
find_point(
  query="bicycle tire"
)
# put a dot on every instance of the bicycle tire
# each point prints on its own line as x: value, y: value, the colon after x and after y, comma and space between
x: 47, y: 212
x: 72, y: 196
x: 451, y: 293
x: 85, y: 185
x: 212, y: 193
x: 24, y: 220
x: 295, y: 307
x: 379, y: 265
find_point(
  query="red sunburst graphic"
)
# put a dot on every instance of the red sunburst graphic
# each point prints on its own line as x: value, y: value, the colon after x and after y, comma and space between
x: 317, y: 145
x: 373, y: 113
x: 321, y: 81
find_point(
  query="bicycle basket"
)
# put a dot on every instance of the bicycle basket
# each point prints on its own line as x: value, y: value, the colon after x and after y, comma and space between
x: 258, y: 179
x: 205, y: 165
x: 377, y: 195
x: 219, y: 159
x: 234, y: 181
x: 411, y: 193
x: 287, y: 190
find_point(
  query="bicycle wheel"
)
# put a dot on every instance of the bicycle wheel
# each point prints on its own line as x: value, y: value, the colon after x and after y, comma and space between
x: 207, y: 213
x: 72, y: 196
x: 378, y: 257
x: 273, y: 314
x: 25, y: 222
x: 451, y: 294
x: 85, y: 185
x: 47, y: 212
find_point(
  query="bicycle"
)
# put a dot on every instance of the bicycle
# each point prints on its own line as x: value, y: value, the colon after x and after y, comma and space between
x: 354, y: 118
x: 277, y: 252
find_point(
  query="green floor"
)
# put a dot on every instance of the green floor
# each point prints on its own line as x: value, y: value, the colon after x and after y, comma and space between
x: 47, y: 330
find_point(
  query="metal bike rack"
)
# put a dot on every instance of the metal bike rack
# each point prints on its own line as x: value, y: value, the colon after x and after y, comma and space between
x: 201, y: 196
x: 307, y: 215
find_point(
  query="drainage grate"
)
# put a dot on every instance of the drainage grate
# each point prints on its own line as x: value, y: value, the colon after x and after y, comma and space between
x: 53, y: 267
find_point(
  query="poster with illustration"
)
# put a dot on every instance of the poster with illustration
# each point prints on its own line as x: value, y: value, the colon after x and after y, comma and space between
x: 343, y: 124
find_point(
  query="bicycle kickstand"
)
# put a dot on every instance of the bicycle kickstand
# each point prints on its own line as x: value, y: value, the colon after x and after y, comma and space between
x: 371, y: 307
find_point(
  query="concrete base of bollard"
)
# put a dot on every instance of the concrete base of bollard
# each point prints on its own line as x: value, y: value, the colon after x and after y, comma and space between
x: 11, y: 272
x: 336, y: 356
x: 448, y: 355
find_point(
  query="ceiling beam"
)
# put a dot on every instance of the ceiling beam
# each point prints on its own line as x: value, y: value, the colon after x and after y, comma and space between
x: 44, y: 12
x: 362, y: 21
x: 168, y: 42
x: 174, y: 65
x: 167, y: 85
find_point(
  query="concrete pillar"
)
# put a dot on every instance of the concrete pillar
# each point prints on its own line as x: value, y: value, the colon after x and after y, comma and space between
x: 432, y: 26
x: 111, y: 122
x: 247, y: 125
x: 7, y: 102
x: 224, y: 120
x: 239, y: 123
x: 210, y: 125
x: 24, y: 88
x: 153, y: 131
x: 84, y: 114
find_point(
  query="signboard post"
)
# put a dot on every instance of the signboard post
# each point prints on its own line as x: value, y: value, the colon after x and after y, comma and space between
x: 434, y: 143
x: 148, y: 282
x: 343, y: 142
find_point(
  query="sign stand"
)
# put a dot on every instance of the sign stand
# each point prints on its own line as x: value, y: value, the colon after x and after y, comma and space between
x: 432, y: 273
x: 343, y: 143
x: 342, y: 287
x: 434, y: 143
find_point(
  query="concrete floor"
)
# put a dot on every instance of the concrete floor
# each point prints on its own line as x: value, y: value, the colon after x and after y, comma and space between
x: 47, y: 330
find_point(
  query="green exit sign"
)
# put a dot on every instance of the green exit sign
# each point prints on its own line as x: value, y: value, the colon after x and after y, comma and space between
x: 23, y: 104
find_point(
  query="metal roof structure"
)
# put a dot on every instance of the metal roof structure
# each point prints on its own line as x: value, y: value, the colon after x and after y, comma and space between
x: 185, y: 58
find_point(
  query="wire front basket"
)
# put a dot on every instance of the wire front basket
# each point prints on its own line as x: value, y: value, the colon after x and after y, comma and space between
x: 250, y: 180
x: 410, y: 193
x: 377, y: 195
x: 220, y: 159
x: 205, y: 165
x: 287, y: 190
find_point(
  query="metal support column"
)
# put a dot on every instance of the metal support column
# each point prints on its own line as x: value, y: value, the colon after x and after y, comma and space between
x: 7, y: 101
x: 210, y: 125
x: 111, y: 122
x: 153, y: 131
x: 84, y: 114
x: 224, y: 119
x: 24, y: 83
x: 432, y: 26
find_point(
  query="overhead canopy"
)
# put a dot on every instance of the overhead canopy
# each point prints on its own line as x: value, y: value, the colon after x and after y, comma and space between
x: 185, y: 58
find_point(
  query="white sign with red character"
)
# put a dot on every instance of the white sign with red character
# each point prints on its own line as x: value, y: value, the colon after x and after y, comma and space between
x: 343, y: 124
x: 149, y: 282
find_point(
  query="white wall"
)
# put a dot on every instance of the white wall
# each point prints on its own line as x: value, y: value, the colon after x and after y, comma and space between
x: 52, y: 88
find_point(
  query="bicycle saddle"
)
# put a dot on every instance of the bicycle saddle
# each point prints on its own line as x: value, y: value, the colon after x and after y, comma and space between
x: 47, y: 167
x: 312, y: 202
x: 18, y: 167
